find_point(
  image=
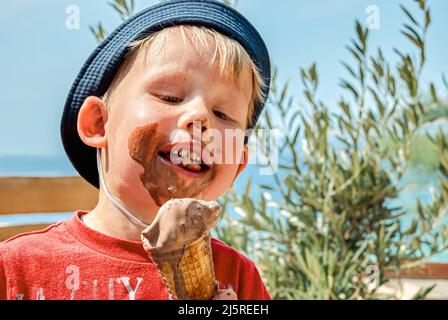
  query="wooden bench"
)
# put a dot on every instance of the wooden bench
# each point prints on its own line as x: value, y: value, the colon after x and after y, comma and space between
x: 31, y: 195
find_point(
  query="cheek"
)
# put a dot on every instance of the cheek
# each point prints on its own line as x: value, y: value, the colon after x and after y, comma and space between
x: 225, y: 145
x: 124, y: 171
x: 124, y: 119
x: 232, y: 149
x: 222, y: 181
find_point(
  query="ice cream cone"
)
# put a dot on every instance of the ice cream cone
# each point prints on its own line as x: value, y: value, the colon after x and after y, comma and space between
x: 184, y: 258
x: 188, y: 274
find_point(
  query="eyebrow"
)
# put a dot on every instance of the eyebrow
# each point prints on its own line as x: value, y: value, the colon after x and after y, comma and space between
x: 165, y: 81
x: 166, y: 76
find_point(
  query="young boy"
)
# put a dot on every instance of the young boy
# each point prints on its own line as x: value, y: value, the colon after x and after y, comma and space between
x: 168, y: 73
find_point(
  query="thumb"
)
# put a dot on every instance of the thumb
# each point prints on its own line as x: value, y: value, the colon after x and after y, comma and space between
x: 225, y: 294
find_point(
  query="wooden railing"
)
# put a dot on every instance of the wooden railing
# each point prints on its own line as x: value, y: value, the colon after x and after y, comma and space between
x: 427, y: 271
x: 407, y: 283
x: 31, y: 195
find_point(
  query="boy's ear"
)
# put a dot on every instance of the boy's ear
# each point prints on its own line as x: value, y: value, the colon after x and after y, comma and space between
x: 92, y: 118
x: 243, y: 164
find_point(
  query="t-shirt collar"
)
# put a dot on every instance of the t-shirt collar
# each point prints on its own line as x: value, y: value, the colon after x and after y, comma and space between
x: 118, y: 248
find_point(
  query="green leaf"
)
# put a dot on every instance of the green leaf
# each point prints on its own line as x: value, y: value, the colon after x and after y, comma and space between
x: 420, y: 210
x: 378, y: 67
x: 413, y: 32
x: 436, y: 114
x: 346, y: 85
x: 285, y: 166
x: 118, y: 9
x: 391, y: 85
x: 361, y: 34
x: 309, y: 96
x: 422, y: 3
x: 359, y: 49
x: 284, y: 92
x: 293, y: 118
x: 416, y: 41
x: 124, y: 8
x: 266, y: 186
x: 313, y: 73
x: 427, y: 18
x: 346, y: 108
x: 355, y: 54
x: 433, y: 93
x: 378, y: 101
x: 296, y: 136
x: 412, y: 228
x: 344, y: 141
x: 98, y: 32
x: 349, y: 69
x: 409, y: 15
x: 422, y: 293
x: 248, y: 185
x: 445, y: 83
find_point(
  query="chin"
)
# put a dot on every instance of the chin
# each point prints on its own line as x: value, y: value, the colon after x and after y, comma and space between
x: 213, y: 194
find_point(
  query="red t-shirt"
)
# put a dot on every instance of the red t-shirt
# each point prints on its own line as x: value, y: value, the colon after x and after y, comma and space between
x: 68, y: 260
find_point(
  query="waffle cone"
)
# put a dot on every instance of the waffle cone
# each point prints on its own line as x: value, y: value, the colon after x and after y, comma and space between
x: 188, y: 272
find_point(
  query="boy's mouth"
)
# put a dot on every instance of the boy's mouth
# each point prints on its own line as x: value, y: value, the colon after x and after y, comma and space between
x: 185, y: 156
x: 162, y: 178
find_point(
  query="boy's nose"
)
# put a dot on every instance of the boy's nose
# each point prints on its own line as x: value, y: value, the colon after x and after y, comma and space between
x: 195, y: 118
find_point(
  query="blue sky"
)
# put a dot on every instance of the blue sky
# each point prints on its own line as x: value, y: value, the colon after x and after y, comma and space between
x: 40, y: 57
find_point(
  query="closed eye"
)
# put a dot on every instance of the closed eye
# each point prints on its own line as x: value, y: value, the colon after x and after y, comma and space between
x: 170, y: 99
x: 223, y: 116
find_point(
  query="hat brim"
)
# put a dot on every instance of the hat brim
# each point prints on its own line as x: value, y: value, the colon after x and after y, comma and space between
x: 100, y: 68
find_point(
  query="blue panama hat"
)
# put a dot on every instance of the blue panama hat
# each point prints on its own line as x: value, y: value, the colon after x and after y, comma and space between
x: 99, y: 70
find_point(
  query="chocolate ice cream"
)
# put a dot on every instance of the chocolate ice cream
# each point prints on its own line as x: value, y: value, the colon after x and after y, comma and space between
x: 178, y: 241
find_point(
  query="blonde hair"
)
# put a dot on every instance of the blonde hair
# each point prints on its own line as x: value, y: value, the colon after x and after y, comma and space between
x: 228, y: 52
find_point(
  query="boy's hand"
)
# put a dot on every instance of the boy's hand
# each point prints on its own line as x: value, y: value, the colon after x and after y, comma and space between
x: 225, y: 294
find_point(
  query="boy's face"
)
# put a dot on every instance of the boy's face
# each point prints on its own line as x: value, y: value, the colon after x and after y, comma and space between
x: 163, y: 96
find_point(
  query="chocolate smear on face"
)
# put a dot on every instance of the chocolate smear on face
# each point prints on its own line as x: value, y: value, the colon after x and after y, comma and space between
x: 161, y: 181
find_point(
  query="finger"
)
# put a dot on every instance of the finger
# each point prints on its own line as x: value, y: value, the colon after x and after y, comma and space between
x: 225, y: 294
